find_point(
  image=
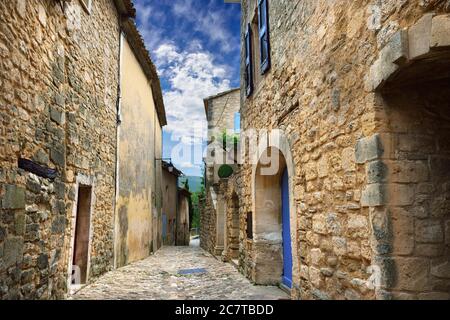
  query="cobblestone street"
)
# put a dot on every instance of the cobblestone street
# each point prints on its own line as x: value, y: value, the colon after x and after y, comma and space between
x: 158, y: 278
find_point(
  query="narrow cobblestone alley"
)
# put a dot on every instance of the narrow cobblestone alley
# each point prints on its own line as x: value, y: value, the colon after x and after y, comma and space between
x: 159, y: 278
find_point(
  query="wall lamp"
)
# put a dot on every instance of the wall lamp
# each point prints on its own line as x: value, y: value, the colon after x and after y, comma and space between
x: 169, y: 160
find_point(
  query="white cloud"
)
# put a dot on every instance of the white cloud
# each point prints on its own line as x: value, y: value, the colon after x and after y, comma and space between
x: 193, y: 76
x: 210, y: 21
x: 149, y: 18
x: 190, y: 165
x: 188, y: 72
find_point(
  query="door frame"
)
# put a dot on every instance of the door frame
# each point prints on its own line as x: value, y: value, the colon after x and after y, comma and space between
x: 83, y: 181
x: 278, y: 139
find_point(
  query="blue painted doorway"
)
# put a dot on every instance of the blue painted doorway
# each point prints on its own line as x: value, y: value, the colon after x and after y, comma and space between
x: 286, y: 223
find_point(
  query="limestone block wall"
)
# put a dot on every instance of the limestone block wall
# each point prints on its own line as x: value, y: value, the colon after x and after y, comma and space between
x: 220, y: 111
x: 207, y: 224
x: 58, y: 79
x: 315, y: 91
x: 408, y: 189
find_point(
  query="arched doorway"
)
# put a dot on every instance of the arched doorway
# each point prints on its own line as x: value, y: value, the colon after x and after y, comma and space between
x: 411, y: 220
x: 272, y: 215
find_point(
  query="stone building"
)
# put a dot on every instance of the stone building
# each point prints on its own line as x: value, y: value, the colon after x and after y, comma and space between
x: 170, y: 184
x: 138, y: 221
x: 59, y: 80
x: 344, y: 182
x: 175, y: 208
x: 183, y: 235
x: 221, y: 110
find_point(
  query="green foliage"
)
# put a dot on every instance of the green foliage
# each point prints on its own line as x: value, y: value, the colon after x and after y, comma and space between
x: 229, y: 140
x: 194, y: 183
x: 225, y: 171
x: 196, y: 196
x: 186, y: 184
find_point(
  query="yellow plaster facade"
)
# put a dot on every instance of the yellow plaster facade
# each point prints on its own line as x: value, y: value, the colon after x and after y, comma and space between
x: 138, y: 207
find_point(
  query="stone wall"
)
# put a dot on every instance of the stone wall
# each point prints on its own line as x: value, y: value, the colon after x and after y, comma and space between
x: 59, y: 80
x: 321, y: 53
x: 411, y: 176
x: 220, y: 111
x: 208, y: 223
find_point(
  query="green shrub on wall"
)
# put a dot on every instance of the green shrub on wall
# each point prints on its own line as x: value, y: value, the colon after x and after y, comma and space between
x: 225, y: 171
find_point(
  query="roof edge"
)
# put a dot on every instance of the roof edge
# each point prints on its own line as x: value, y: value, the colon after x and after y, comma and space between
x: 126, y: 8
x: 218, y: 95
x: 176, y: 172
x: 137, y: 44
x: 184, y: 192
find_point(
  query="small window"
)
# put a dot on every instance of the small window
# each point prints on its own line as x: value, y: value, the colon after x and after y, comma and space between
x: 249, y: 226
x: 87, y: 5
x: 237, y: 123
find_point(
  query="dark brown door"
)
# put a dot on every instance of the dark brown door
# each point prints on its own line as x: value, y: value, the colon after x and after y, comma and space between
x: 82, y: 230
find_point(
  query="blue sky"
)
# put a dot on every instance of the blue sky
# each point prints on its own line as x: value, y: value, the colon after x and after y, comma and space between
x: 195, y: 46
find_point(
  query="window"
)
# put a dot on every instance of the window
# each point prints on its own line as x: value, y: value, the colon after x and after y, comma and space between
x: 264, y: 45
x: 257, y: 47
x: 87, y: 5
x: 249, y: 226
x: 237, y: 123
x: 248, y: 62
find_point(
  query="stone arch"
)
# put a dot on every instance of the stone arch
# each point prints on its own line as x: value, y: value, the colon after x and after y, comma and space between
x: 266, y: 217
x: 408, y: 178
x: 419, y: 53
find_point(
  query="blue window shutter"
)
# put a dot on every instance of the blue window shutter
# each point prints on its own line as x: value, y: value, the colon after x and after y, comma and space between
x: 248, y: 62
x: 264, y: 43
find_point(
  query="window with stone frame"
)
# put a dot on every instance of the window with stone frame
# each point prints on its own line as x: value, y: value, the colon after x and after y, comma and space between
x: 87, y: 5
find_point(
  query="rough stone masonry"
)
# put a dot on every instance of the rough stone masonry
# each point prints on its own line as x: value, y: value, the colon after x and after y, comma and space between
x: 59, y: 75
x: 361, y: 91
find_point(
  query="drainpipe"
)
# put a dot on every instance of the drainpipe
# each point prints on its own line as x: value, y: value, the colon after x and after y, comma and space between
x: 118, y: 122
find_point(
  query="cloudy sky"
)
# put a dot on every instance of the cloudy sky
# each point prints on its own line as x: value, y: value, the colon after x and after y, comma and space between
x: 195, y: 46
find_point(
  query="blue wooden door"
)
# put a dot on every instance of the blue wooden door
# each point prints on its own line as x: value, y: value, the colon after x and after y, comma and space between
x: 287, y: 249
